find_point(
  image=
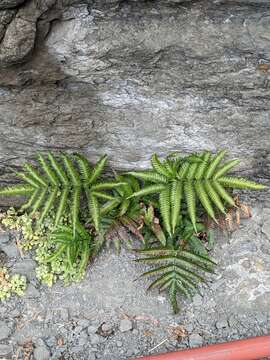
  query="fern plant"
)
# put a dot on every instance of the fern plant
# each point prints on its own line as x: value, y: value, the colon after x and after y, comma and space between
x: 175, y: 269
x: 76, y: 250
x: 60, y: 184
x: 200, y: 177
x: 121, y: 216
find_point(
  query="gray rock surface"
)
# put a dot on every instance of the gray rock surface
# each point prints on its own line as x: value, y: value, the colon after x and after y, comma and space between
x: 130, y: 78
x: 66, y: 322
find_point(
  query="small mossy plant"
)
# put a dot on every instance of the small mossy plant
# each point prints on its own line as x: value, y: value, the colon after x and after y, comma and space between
x: 70, y: 213
x: 11, y: 284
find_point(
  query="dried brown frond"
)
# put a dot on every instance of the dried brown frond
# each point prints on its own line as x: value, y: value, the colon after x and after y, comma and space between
x: 232, y: 219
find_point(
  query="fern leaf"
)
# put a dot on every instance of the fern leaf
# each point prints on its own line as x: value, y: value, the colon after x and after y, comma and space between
x: 124, y: 207
x: 99, y: 167
x: 17, y: 190
x: 40, y: 198
x: 149, y: 176
x: 214, y: 196
x: 84, y: 166
x: 30, y: 201
x: 165, y: 208
x: 94, y: 210
x: 102, y: 195
x: 182, y: 289
x: 176, y: 197
x: 29, y: 179
x: 109, y: 206
x: 191, y: 202
x: 166, y: 284
x: 160, y: 281
x: 48, y: 205
x: 183, y: 170
x: 52, y: 177
x: 223, y: 193
x: 225, y: 168
x: 58, y: 169
x: 151, y: 189
x: 203, y: 165
x: 202, y: 195
x: 240, y: 183
x: 191, y: 171
x: 72, y: 172
x: 56, y: 254
x: 61, y: 206
x: 75, y: 208
x: 198, y: 258
x: 107, y: 185
x: 34, y: 174
x: 159, y: 167
x: 213, y: 164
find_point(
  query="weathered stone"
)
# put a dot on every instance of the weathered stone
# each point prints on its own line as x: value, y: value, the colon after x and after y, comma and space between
x: 125, y: 325
x: 5, y: 350
x: 7, y: 4
x: 186, y: 77
x: 222, y: 323
x: 42, y: 353
x: 25, y: 267
x: 4, y: 238
x: 195, y: 340
x: 5, y: 330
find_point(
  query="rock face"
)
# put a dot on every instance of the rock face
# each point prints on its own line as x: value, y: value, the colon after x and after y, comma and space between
x: 130, y: 78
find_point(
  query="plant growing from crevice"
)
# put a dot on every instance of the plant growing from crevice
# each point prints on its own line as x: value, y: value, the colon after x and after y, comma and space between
x: 201, y: 178
x: 70, y: 215
x: 59, y: 185
x: 179, y: 261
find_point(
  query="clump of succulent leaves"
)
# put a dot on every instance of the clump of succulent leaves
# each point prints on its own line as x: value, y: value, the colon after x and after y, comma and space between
x: 11, y: 284
x: 160, y: 210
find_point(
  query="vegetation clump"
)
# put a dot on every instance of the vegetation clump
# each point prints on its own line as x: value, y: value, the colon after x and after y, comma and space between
x: 71, y: 213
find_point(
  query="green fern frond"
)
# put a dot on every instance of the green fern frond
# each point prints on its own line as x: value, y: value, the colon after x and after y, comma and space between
x: 58, y: 169
x: 52, y: 177
x: 109, y: 206
x: 203, y: 197
x: 165, y: 207
x: 240, y: 183
x: 28, y: 179
x: 39, y: 201
x: 183, y: 170
x: 48, y: 206
x: 223, y: 193
x: 151, y: 189
x: 20, y: 190
x: 159, y: 167
x: 75, y: 207
x: 94, y: 210
x: 213, y: 195
x: 30, y: 202
x: 72, y: 172
x: 225, y: 168
x: 106, y: 185
x: 213, y: 164
x: 35, y: 175
x: 191, y: 171
x: 180, y: 271
x: 102, y: 195
x: 84, y: 166
x: 149, y: 176
x: 62, y: 205
x: 191, y: 202
x: 98, y: 169
x: 176, y: 197
x: 203, y: 165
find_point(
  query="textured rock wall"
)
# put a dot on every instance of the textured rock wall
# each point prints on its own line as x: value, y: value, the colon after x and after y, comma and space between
x: 130, y: 78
